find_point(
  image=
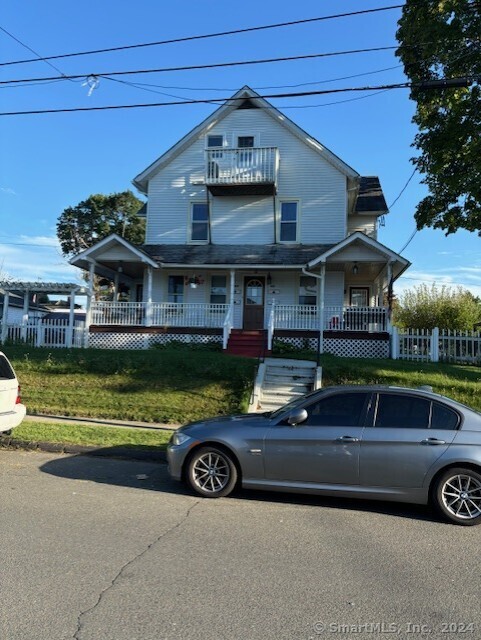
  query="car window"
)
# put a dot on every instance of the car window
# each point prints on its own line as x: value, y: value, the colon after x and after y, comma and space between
x: 6, y: 371
x: 402, y: 411
x: 338, y: 410
x: 443, y: 418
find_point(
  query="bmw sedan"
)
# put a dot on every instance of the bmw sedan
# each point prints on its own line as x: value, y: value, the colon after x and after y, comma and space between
x: 376, y: 442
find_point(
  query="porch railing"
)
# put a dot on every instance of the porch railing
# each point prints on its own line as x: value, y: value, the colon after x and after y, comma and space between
x: 308, y: 317
x: 163, y: 314
x: 242, y: 165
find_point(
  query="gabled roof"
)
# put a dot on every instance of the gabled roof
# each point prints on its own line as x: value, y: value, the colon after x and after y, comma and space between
x: 238, y: 101
x: 84, y: 257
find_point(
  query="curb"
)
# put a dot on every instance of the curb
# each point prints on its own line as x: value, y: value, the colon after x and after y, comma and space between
x: 123, y: 453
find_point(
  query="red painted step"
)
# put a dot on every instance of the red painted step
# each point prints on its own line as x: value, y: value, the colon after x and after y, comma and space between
x: 250, y: 344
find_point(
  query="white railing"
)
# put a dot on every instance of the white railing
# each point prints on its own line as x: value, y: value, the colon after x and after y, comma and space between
x: 47, y: 333
x: 270, y: 328
x: 227, y: 326
x: 242, y: 165
x: 161, y: 314
x: 434, y: 346
x: 307, y: 317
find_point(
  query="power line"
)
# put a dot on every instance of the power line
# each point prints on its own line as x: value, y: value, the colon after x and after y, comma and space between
x: 215, y: 65
x: 204, y: 36
x: 463, y: 284
x: 403, y: 85
x: 403, y: 189
x: 409, y: 241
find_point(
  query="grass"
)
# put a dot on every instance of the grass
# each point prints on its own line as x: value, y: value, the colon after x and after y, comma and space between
x: 91, y: 435
x: 179, y: 386
x: 164, y: 386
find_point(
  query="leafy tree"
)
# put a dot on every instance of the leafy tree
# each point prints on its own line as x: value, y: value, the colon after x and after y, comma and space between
x: 98, y: 216
x: 445, y: 307
x: 441, y: 39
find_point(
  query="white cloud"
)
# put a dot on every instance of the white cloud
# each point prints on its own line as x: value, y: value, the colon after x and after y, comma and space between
x: 8, y: 190
x: 467, y: 277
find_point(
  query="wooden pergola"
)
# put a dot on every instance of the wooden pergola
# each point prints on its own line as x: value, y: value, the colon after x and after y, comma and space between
x: 28, y: 288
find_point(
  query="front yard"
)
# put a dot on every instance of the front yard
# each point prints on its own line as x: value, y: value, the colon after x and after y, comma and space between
x: 179, y: 385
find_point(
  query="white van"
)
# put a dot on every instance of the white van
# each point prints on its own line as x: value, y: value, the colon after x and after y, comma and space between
x: 12, y: 411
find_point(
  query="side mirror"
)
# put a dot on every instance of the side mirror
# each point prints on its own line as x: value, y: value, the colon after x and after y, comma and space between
x: 296, y: 417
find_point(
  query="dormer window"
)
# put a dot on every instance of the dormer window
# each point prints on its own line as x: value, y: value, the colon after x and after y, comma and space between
x: 215, y: 140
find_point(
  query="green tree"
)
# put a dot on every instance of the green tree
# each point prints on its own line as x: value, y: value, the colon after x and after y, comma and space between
x: 445, y: 307
x: 98, y: 216
x: 441, y: 39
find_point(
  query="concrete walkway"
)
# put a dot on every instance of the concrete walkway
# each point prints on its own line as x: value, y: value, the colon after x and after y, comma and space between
x: 92, y: 422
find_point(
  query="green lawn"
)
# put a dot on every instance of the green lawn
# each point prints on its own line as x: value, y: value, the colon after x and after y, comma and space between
x: 180, y: 385
x: 91, y: 435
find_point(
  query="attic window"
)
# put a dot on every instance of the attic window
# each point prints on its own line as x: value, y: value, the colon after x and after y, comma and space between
x: 215, y: 141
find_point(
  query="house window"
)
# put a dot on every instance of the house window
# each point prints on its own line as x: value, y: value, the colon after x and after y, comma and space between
x: 359, y: 297
x: 176, y: 289
x: 215, y: 141
x: 288, y: 222
x: 218, y: 289
x: 245, y: 141
x: 199, y: 231
x: 308, y: 290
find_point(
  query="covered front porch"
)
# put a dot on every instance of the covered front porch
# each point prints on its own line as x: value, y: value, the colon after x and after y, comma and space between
x: 341, y: 292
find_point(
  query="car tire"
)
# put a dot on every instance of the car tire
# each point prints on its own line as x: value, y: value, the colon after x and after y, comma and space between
x: 457, y: 496
x: 211, y: 472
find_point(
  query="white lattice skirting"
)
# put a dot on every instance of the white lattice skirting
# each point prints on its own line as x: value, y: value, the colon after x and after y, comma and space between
x: 144, y: 340
x: 342, y: 347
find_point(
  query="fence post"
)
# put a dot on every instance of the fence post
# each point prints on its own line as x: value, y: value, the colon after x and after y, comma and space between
x: 39, y: 333
x: 434, y: 345
x: 394, y: 343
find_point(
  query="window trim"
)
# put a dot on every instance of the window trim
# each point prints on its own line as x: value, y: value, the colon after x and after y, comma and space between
x: 316, y: 292
x: 191, y: 221
x: 364, y: 288
x: 280, y: 202
x: 209, y: 293
x: 221, y: 135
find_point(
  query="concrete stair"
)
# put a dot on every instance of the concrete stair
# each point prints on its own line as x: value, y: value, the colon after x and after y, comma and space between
x: 280, y: 380
x: 250, y: 344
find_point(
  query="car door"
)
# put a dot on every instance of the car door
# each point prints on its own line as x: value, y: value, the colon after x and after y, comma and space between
x: 324, y: 448
x: 407, y: 434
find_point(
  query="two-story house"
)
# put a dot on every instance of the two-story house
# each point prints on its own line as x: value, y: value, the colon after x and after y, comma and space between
x: 255, y: 233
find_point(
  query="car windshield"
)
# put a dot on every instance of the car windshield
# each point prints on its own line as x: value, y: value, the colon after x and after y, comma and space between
x: 293, y: 404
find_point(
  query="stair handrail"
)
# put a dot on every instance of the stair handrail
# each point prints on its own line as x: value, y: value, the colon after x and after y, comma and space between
x: 270, y: 327
x: 227, y: 326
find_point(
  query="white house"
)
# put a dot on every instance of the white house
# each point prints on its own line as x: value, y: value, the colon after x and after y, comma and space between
x: 255, y: 233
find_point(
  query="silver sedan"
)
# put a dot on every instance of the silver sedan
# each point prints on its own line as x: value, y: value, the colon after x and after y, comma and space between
x: 384, y: 443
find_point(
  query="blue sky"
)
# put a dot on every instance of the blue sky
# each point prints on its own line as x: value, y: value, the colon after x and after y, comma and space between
x: 52, y: 161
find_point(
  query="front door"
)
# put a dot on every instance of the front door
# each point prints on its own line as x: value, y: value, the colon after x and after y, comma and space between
x: 254, y: 289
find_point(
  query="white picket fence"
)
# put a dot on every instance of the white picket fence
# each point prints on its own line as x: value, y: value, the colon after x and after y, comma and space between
x: 422, y: 345
x: 47, y: 333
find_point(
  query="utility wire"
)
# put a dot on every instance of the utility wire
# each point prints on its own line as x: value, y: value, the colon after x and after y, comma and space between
x: 403, y: 189
x: 403, y: 85
x: 204, y: 36
x: 215, y: 65
x: 39, y: 58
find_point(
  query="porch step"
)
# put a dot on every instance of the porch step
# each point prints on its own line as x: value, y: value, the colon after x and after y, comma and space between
x: 250, y: 344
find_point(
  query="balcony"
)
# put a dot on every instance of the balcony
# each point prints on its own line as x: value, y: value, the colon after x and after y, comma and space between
x: 242, y: 171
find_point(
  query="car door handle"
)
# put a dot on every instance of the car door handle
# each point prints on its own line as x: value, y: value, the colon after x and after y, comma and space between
x: 433, y: 441
x: 347, y: 439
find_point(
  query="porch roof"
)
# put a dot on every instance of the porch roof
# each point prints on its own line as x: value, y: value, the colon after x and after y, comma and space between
x: 252, y: 255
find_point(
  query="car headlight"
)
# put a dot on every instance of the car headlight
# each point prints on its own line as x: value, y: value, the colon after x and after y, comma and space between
x: 180, y: 438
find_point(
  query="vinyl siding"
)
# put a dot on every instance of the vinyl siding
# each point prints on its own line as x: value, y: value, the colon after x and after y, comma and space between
x: 303, y: 175
x: 364, y: 223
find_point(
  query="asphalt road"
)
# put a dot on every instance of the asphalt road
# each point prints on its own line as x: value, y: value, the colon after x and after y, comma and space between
x: 102, y: 549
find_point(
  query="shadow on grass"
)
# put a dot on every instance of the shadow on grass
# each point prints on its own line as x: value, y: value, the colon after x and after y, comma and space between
x: 149, y: 475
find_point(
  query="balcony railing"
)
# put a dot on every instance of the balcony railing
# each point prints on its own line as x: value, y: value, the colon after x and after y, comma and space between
x: 307, y: 317
x: 163, y: 314
x: 246, y: 165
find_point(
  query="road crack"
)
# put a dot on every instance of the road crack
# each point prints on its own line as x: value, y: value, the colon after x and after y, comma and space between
x: 82, y: 614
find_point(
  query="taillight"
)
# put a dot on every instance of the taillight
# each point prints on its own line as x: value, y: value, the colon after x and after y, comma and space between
x: 19, y: 397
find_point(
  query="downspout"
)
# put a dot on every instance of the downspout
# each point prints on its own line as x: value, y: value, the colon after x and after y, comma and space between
x: 321, y: 278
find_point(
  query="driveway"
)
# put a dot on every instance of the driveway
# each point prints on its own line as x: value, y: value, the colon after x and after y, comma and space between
x: 102, y: 549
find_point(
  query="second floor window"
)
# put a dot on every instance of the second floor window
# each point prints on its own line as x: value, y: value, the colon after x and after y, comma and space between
x: 199, y: 227
x: 288, y: 222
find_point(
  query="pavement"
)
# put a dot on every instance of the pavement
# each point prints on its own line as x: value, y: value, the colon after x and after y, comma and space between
x: 99, y: 421
x: 103, y: 549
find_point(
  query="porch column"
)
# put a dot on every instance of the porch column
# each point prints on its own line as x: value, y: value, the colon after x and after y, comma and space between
x: 232, y: 287
x: 389, y: 297
x: 6, y: 303
x: 90, y: 295
x: 26, y: 299
x: 116, y: 286
x: 71, y: 321
x: 321, y: 307
x: 148, y: 307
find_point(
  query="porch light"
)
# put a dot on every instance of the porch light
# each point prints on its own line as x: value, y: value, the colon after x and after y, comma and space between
x: 355, y: 269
